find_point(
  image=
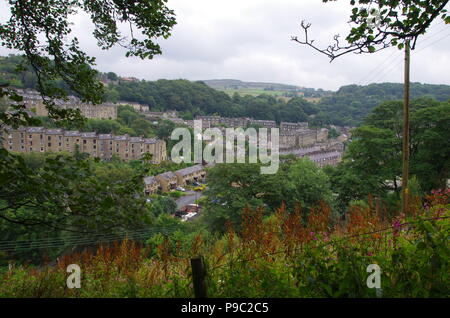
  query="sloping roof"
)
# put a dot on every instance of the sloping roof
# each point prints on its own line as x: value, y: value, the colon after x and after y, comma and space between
x: 89, y: 135
x: 35, y: 129
x: 150, y: 180
x: 105, y: 136
x: 167, y: 175
x: 72, y: 133
x: 55, y: 132
x: 189, y: 170
x: 135, y: 139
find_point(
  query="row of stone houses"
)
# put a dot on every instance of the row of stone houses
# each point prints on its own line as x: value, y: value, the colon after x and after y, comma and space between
x: 170, y: 180
x: 302, y: 138
x: 34, y: 103
x: 234, y: 122
x: 104, y: 146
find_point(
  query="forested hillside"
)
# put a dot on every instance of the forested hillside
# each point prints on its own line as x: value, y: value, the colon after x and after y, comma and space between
x: 348, y: 106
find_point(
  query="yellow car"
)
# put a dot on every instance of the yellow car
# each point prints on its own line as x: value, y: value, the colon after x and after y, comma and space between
x: 200, y: 188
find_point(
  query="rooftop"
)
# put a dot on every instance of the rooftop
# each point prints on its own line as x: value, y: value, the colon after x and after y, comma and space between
x: 189, y: 170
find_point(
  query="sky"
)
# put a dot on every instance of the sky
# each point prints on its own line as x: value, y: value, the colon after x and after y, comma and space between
x: 251, y: 41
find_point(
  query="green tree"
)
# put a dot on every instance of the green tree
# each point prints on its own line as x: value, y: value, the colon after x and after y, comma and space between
x: 42, y: 32
x: 378, y: 24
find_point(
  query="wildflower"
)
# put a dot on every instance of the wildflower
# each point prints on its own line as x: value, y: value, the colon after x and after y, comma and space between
x: 397, y: 226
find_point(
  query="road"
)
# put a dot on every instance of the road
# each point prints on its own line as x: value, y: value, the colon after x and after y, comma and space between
x: 189, y: 198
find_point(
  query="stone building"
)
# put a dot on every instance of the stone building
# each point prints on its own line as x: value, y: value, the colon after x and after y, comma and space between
x: 190, y: 174
x: 152, y: 185
x: 33, y: 102
x: 168, y: 180
x: 288, y: 140
x: 104, y: 146
x: 287, y: 127
x: 263, y: 123
x: 329, y: 158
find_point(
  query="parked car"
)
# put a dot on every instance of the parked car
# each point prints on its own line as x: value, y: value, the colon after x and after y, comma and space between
x: 200, y: 188
x: 186, y: 217
x: 195, y: 183
x: 180, y: 213
x: 181, y: 189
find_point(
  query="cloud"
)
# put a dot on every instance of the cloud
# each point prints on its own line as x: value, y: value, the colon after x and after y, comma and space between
x: 250, y: 40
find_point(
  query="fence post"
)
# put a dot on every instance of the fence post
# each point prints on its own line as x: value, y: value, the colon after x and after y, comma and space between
x: 198, y: 277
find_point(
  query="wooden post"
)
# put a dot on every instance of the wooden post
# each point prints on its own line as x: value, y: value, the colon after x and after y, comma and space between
x: 405, y: 172
x: 198, y: 277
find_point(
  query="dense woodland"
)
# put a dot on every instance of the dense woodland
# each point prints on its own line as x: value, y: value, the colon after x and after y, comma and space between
x: 348, y: 106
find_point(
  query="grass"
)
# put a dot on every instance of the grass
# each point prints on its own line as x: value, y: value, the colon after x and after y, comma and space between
x: 282, y: 255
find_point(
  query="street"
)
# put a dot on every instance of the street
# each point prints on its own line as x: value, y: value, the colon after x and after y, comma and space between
x: 189, y: 198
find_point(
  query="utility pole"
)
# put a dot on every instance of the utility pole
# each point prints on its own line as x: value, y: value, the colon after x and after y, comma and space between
x: 405, y: 172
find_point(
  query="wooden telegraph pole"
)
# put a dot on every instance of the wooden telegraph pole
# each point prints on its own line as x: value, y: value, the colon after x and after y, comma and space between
x: 405, y: 172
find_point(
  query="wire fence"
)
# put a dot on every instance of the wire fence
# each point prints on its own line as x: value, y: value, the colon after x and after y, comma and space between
x: 332, y: 242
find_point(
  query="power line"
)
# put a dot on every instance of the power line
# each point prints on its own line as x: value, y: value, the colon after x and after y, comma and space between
x: 9, y: 246
x: 372, y: 76
x: 371, y: 73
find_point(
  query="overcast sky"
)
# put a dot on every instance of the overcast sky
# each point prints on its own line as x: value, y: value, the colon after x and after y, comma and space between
x: 250, y: 40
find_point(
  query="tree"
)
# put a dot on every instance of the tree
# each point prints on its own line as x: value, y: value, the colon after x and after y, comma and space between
x: 42, y: 32
x: 379, y: 24
x: 371, y: 164
x: 232, y: 187
x: 61, y: 193
x: 306, y: 184
x: 112, y: 76
x: 392, y: 23
x: 163, y: 205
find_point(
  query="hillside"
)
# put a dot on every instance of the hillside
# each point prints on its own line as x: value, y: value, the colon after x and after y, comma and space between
x: 232, y: 86
x: 348, y: 106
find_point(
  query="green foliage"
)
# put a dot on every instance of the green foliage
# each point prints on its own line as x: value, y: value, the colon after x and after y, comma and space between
x: 372, y: 162
x: 47, y: 194
x: 232, y: 187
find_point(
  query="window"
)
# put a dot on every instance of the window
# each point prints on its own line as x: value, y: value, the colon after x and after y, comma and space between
x: 42, y: 137
x: 95, y: 141
x: 49, y: 144
x: 49, y: 138
x: 29, y: 136
x: 59, y: 144
x: 95, y: 146
x: 84, y: 141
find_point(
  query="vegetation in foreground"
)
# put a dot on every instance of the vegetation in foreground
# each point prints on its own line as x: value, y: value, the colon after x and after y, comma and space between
x: 284, y: 255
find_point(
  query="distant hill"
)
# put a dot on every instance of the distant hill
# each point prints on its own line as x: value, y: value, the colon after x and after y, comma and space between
x: 270, y: 101
x: 237, y: 84
x: 351, y: 103
x: 232, y: 86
